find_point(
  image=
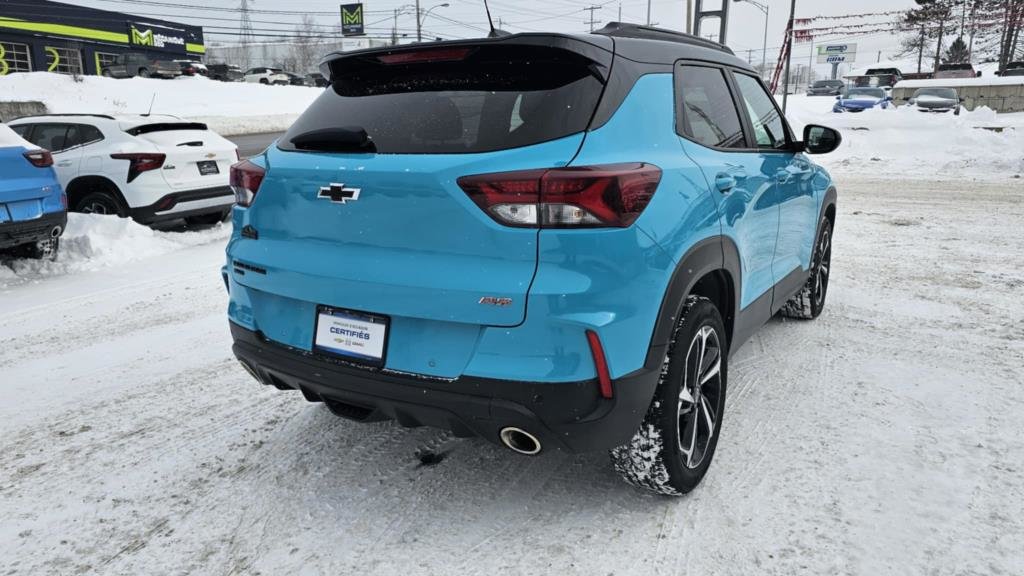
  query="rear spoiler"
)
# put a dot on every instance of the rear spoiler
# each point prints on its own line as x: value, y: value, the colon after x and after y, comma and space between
x: 599, y: 49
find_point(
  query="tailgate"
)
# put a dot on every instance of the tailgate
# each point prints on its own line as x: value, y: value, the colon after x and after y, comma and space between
x: 195, y: 158
x: 23, y: 187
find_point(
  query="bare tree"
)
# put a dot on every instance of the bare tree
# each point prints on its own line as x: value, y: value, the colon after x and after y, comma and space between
x: 306, y: 47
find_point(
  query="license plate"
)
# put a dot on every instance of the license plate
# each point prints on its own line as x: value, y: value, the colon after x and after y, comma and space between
x: 353, y: 335
x: 208, y: 167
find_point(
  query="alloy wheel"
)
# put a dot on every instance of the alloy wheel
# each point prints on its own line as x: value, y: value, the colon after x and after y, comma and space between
x: 823, y: 255
x: 700, y: 396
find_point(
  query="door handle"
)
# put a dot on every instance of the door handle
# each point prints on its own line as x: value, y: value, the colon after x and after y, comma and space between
x: 725, y: 182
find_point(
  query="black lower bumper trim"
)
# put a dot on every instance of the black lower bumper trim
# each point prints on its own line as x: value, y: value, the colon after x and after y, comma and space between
x: 570, y: 416
x: 26, y: 231
x: 151, y: 213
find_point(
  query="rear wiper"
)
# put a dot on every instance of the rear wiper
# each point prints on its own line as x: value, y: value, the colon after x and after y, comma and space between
x: 338, y: 139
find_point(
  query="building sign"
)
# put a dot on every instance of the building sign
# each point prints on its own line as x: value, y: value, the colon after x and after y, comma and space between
x: 837, y: 53
x: 352, y: 19
x: 156, y: 37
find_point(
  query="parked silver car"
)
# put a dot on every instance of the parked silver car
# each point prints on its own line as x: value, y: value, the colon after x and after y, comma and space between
x: 936, y: 100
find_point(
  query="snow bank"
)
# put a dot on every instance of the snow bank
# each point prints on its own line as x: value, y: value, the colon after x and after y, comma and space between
x: 904, y: 142
x: 962, y: 82
x: 229, y: 108
x: 92, y: 242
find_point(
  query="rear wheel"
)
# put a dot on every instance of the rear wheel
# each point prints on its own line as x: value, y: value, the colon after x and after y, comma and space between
x: 264, y: 81
x: 143, y: 73
x: 43, y: 249
x: 99, y: 203
x: 673, y: 448
x: 808, y: 303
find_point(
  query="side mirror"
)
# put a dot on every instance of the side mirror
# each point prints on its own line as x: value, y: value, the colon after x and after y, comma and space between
x: 820, y: 139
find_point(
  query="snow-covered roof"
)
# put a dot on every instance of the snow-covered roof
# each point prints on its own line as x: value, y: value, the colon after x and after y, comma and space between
x: 958, y: 82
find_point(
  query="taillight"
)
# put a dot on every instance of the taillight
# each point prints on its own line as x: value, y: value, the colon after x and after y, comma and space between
x: 246, y: 178
x: 610, y: 195
x: 39, y: 158
x: 140, y: 162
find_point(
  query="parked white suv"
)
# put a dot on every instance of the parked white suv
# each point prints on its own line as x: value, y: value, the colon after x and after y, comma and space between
x: 267, y: 76
x: 151, y: 168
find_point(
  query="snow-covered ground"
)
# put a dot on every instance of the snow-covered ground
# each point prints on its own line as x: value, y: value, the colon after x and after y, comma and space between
x: 227, y: 107
x: 882, y: 438
x: 905, y: 143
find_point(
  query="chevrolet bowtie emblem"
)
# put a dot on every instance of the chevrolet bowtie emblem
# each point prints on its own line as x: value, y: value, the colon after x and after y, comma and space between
x: 339, y: 193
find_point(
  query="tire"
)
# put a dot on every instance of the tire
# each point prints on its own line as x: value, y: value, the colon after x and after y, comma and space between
x: 206, y: 219
x: 808, y: 303
x: 143, y: 73
x: 264, y: 81
x: 44, y: 249
x: 100, y: 203
x: 654, y: 458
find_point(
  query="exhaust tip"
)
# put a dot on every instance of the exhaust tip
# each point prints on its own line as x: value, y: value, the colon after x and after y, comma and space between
x: 55, y: 233
x: 519, y: 440
x: 250, y: 370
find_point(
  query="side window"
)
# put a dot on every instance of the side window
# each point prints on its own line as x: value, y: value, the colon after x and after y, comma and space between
x: 769, y: 128
x: 707, y: 110
x: 90, y: 134
x: 73, y: 137
x: 22, y: 130
x: 50, y: 136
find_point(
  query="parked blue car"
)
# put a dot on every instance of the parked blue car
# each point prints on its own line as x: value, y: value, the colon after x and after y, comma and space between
x: 860, y: 99
x: 561, y: 255
x: 33, y: 208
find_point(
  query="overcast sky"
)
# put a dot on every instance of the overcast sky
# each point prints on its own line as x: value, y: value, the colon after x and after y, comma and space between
x: 746, y: 26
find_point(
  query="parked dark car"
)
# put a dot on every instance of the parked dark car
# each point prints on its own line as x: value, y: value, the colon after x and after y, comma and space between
x: 936, y: 100
x: 827, y: 88
x: 1014, y: 69
x: 132, y: 64
x: 297, y: 80
x: 318, y: 80
x: 225, y: 72
x: 955, y: 71
x: 192, y: 68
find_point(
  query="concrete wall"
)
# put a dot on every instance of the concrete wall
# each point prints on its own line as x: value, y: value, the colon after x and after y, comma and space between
x: 12, y: 110
x: 1001, y: 98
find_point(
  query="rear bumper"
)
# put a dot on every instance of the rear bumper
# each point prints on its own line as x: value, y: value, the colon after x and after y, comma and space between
x: 570, y: 416
x: 185, y: 204
x: 21, y: 232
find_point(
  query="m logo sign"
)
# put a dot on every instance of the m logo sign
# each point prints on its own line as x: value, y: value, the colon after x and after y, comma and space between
x: 142, y: 38
x: 352, y: 19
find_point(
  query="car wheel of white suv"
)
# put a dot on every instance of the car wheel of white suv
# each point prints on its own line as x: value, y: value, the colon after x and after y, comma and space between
x: 99, y: 203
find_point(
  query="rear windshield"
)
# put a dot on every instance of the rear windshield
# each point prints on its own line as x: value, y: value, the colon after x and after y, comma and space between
x: 165, y: 127
x: 458, y: 100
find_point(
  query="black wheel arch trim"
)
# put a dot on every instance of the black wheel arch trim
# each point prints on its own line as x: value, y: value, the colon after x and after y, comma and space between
x: 107, y: 182
x: 712, y: 254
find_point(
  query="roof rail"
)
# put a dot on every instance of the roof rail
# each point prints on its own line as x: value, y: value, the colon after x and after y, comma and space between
x: 52, y: 115
x: 624, y: 30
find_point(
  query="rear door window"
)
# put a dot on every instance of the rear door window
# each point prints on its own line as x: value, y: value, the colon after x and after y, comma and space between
x: 53, y: 137
x: 707, y: 110
x: 476, y: 99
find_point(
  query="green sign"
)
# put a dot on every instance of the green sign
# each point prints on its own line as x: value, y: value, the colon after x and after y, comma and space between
x: 352, y: 19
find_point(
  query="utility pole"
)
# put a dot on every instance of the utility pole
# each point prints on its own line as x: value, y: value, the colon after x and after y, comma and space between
x: 689, y: 16
x: 789, y: 57
x: 620, y: 11
x: 419, y: 28
x: 648, y: 12
x: 394, y: 30
x: 592, y: 21
x: 245, y: 31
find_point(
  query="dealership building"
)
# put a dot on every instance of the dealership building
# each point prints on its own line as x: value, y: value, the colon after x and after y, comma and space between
x: 40, y: 36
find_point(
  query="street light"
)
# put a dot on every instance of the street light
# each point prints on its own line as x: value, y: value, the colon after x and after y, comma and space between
x: 764, y: 51
x: 419, y: 21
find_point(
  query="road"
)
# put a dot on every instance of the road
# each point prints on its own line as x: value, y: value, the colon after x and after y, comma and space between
x: 252, y: 144
x: 882, y: 438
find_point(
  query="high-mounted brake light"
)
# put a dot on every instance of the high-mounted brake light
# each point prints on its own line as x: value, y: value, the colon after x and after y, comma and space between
x: 246, y: 178
x: 610, y: 195
x: 604, y: 378
x: 140, y: 162
x: 421, y: 56
x: 39, y: 158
